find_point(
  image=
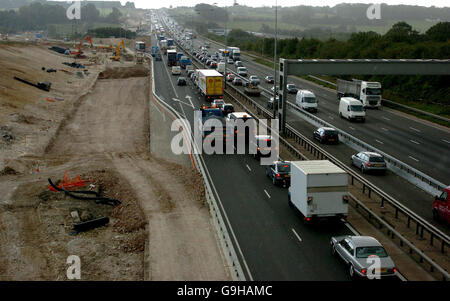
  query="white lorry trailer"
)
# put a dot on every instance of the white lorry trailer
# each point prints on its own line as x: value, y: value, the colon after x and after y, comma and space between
x: 369, y: 93
x: 319, y: 189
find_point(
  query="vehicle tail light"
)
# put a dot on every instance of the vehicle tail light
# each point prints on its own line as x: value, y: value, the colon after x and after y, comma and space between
x: 258, y: 148
x: 235, y: 131
x: 278, y: 175
x: 345, y: 199
x: 394, y: 270
x: 363, y: 271
x: 368, y: 163
x: 307, y: 219
x: 310, y: 199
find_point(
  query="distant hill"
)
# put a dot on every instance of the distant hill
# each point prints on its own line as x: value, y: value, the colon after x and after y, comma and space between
x: 15, y: 4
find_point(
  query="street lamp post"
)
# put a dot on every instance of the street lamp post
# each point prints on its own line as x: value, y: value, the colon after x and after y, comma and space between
x: 275, y: 92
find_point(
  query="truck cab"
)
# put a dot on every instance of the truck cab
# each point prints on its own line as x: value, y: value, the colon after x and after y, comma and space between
x: 441, y: 206
x: 370, y: 94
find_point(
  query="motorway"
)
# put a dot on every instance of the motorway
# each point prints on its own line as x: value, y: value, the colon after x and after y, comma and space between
x: 275, y: 243
x: 409, y: 195
x: 418, y: 144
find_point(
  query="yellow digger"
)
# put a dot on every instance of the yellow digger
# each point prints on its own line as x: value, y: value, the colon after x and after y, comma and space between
x: 116, y: 56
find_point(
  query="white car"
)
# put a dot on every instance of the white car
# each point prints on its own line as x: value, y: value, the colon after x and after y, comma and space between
x: 176, y: 70
x: 242, y: 71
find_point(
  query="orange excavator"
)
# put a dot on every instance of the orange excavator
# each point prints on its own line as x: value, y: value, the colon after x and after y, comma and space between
x: 79, y: 52
x: 116, y: 56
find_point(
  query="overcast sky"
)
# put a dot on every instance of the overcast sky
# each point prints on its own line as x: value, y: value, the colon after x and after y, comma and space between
x: 167, y: 3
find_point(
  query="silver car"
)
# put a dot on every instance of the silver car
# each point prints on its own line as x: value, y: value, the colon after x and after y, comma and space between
x: 255, y: 79
x: 360, y: 253
x: 369, y: 161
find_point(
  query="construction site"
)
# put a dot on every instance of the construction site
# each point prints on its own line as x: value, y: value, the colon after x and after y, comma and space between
x: 79, y: 174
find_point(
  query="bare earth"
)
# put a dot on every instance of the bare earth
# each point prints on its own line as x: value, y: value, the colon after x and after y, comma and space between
x: 162, y: 229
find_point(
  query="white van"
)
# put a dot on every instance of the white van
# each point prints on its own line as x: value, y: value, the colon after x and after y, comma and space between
x: 176, y: 70
x: 306, y: 100
x: 352, y: 109
x: 242, y: 71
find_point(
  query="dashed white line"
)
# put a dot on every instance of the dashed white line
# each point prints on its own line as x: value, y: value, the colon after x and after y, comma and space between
x: 413, y: 158
x: 331, y: 117
x: 380, y: 142
x: 248, y: 167
x: 446, y: 141
x: 415, y: 142
x: 385, y: 118
x: 268, y: 195
x: 415, y: 129
x: 385, y: 129
x: 298, y: 236
x: 352, y: 128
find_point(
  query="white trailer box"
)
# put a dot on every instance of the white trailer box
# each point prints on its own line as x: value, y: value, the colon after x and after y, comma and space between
x: 318, y: 189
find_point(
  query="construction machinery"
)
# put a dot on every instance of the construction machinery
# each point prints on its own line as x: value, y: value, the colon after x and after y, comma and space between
x: 79, y: 52
x: 116, y: 56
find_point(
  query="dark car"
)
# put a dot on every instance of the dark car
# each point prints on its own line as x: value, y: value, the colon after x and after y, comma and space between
x: 270, y: 103
x: 279, y: 172
x: 213, y: 65
x: 227, y: 109
x: 269, y: 79
x: 291, y: 89
x: 237, y: 81
x: 230, y: 77
x: 326, y: 135
x: 181, y: 81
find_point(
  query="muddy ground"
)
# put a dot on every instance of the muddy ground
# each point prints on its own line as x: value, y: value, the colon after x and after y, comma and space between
x: 160, y: 231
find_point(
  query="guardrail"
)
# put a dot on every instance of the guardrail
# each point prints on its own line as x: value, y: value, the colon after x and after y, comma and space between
x: 214, y: 209
x: 406, y: 171
x: 422, y: 227
x: 371, y: 189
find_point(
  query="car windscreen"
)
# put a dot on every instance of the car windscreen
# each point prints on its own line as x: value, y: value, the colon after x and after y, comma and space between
x: 330, y: 133
x: 310, y: 99
x: 376, y: 159
x: 364, y: 252
x: 283, y: 167
x: 356, y: 108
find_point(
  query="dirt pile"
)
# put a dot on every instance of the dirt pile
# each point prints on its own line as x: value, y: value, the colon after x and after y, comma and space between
x: 124, y: 72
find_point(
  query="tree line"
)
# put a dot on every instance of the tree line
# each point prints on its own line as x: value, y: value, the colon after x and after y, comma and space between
x: 400, y: 42
x: 38, y: 16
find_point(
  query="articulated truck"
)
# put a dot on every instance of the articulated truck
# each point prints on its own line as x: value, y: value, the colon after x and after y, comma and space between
x: 210, y: 84
x: 369, y: 93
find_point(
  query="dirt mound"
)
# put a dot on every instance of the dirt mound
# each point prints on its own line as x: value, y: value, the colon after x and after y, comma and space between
x: 8, y: 171
x: 124, y: 72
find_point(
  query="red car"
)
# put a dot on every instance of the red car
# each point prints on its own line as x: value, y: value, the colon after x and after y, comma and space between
x: 441, y: 206
x: 230, y: 77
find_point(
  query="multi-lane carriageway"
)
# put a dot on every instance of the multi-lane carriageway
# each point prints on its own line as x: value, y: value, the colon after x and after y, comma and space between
x: 272, y: 242
x: 396, y: 134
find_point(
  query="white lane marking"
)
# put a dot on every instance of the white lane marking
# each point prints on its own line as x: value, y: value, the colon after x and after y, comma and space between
x: 331, y: 117
x: 415, y: 142
x: 268, y: 195
x: 352, y: 128
x: 186, y: 104
x: 247, y: 166
x: 381, y: 142
x: 413, y: 158
x: 415, y: 129
x: 170, y: 80
x: 385, y: 118
x: 445, y: 140
x: 385, y: 129
x: 190, y: 100
x: 298, y: 236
